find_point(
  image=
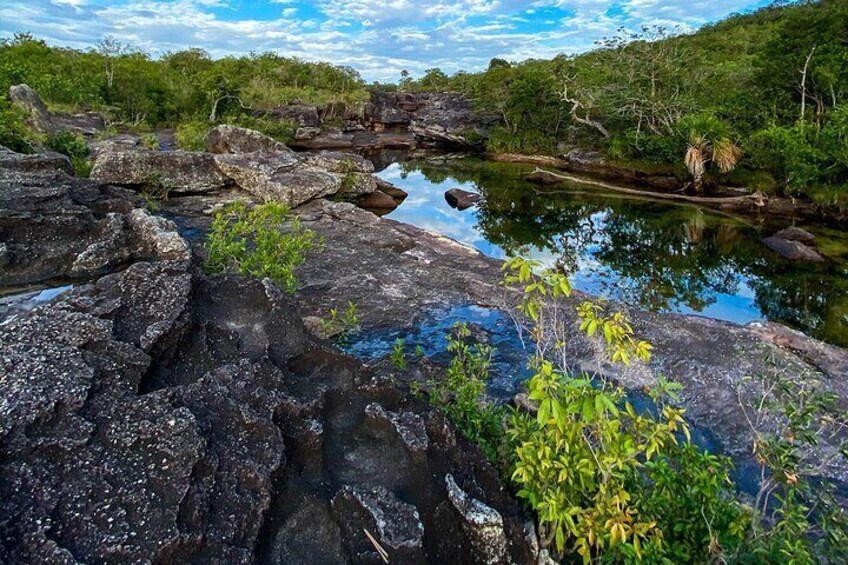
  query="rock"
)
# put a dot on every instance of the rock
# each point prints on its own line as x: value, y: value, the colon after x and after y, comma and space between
x: 388, y: 188
x: 301, y: 114
x: 323, y: 139
x: 87, y: 124
x: 120, y: 142
x: 594, y: 163
x: 794, y: 250
x: 794, y: 233
x: 28, y: 100
x: 45, y: 162
x: 337, y: 162
x: 278, y: 177
x: 410, y: 427
x: 483, y: 524
x: 173, y: 172
x: 232, y: 139
x: 395, y: 524
x: 303, y: 134
x: 461, y: 199
x: 158, y: 237
x: 378, y: 201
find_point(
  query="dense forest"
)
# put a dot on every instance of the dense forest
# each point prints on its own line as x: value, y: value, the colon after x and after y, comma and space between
x: 756, y: 100
x: 766, y: 89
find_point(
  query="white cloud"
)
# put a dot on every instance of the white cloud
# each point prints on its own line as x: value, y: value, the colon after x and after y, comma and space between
x: 377, y: 37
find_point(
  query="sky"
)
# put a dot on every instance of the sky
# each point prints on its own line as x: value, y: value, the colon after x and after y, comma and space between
x: 379, y: 38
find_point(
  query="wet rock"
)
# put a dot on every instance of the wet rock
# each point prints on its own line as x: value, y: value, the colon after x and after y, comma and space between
x: 395, y: 524
x: 278, y: 177
x: 793, y: 250
x: 483, y: 524
x: 233, y: 139
x: 396, y: 193
x: 409, y: 426
x: 173, y: 172
x: 28, y: 100
x: 461, y: 199
x: 794, y: 233
x: 44, y: 162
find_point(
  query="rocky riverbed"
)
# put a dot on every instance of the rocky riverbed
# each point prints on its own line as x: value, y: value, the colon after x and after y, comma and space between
x: 152, y: 413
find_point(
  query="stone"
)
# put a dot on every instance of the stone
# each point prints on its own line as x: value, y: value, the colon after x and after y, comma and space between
x: 233, y: 139
x: 174, y: 172
x: 378, y: 200
x: 461, y: 199
x: 793, y: 250
x: 301, y: 114
x: 278, y: 177
x: 337, y: 162
x: 483, y: 525
x: 794, y: 233
x: 120, y: 142
x: 393, y: 523
x: 28, y: 100
x: 158, y: 237
x: 42, y: 162
x: 396, y: 193
x: 410, y: 427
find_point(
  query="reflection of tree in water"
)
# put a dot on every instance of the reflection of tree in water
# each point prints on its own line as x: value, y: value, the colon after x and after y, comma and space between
x: 658, y: 256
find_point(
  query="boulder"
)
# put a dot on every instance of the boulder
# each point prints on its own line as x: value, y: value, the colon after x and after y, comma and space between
x: 120, y: 142
x: 166, y: 171
x: 409, y: 427
x: 337, y: 162
x: 278, y: 177
x: 45, y: 162
x: 233, y: 139
x: 794, y: 233
x: 378, y: 201
x: 483, y: 524
x: 793, y: 250
x: 301, y: 114
x: 461, y: 199
x: 396, y: 193
x: 28, y: 100
x: 326, y: 139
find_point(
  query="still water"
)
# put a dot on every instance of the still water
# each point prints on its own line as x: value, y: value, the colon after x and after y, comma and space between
x: 659, y: 256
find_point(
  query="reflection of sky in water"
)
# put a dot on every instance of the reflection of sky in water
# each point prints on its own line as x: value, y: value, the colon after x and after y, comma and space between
x: 426, y: 207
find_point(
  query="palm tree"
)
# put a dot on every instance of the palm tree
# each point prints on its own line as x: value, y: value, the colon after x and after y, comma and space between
x: 708, y: 143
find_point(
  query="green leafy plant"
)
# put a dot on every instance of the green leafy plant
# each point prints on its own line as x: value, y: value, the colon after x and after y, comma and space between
x: 341, y: 324
x: 191, y: 135
x: 461, y: 395
x: 261, y: 241
x: 74, y: 147
x: 398, y: 356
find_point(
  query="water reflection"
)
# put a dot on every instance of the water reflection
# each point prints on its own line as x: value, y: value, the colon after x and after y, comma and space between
x: 659, y: 256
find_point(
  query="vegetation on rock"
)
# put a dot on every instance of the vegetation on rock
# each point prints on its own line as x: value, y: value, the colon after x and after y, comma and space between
x: 261, y: 241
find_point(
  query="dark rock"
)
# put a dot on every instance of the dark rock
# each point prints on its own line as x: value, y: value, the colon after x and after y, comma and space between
x: 794, y: 233
x: 28, y: 100
x: 174, y: 172
x: 300, y: 114
x: 310, y: 139
x: 232, y: 139
x: 378, y: 200
x: 483, y: 524
x: 794, y: 250
x: 461, y: 199
x: 45, y: 162
x: 410, y: 427
x: 87, y: 124
x: 388, y: 188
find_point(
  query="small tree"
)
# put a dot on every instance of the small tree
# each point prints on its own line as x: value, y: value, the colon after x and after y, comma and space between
x: 708, y: 141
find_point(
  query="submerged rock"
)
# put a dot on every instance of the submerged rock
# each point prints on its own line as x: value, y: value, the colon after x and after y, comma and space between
x: 461, y: 199
x: 792, y: 249
x: 794, y: 233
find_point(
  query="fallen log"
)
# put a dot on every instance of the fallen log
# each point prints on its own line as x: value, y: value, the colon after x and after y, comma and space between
x: 541, y: 176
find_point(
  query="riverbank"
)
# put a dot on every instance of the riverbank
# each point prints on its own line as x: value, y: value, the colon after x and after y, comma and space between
x: 733, y: 199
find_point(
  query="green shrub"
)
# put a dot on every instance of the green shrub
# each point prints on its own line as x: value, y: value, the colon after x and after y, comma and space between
x: 398, y: 356
x: 75, y: 147
x: 191, y: 136
x: 262, y: 241
x: 461, y: 395
x: 789, y: 156
x: 13, y: 132
x: 341, y: 324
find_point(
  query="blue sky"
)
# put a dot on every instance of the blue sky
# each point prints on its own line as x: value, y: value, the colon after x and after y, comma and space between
x: 377, y: 37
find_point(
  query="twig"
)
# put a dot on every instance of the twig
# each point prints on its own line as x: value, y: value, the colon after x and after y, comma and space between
x: 377, y: 546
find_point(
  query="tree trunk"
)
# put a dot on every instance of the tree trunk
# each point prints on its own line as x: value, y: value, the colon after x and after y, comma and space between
x: 804, y: 81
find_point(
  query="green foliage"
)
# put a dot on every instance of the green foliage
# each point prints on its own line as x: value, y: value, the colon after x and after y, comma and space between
x: 13, y: 133
x: 191, y: 136
x: 262, y: 241
x: 74, y: 147
x: 398, y: 355
x: 788, y: 155
x: 341, y: 324
x: 461, y: 395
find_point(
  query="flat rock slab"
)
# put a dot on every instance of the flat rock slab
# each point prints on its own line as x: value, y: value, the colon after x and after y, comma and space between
x: 174, y: 172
